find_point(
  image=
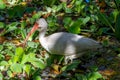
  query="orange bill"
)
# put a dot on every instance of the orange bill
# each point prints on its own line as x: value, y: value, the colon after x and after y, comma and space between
x: 35, y: 27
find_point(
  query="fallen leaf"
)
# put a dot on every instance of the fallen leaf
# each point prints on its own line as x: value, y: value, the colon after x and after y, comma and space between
x: 7, y: 57
x: 23, y: 3
x: 46, y: 15
x: 69, y: 6
x: 108, y: 72
x: 2, y: 39
x: 16, y: 42
x: 56, y: 69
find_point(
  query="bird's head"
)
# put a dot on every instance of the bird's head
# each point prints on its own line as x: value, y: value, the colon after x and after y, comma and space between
x: 40, y: 24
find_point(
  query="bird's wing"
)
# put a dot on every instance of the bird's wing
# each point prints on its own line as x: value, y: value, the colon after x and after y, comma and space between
x: 67, y: 43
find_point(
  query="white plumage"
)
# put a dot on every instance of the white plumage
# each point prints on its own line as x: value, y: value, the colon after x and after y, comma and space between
x: 62, y: 43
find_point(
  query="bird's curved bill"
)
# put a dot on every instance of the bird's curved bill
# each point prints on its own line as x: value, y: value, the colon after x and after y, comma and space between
x: 35, y: 27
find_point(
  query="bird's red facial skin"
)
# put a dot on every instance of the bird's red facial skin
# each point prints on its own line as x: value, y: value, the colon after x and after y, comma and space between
x: 35, y: 27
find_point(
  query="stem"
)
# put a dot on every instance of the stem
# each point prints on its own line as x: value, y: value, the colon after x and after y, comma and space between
x: 105, y: 19
x: 116, y: 5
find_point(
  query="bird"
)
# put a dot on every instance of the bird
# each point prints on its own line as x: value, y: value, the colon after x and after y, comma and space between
x: 62, y: 43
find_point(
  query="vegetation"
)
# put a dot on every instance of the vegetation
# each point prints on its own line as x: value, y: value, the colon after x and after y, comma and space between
x: 99, y: 19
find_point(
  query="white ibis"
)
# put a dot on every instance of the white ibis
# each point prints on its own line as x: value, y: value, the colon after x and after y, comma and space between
x: 63, y: 43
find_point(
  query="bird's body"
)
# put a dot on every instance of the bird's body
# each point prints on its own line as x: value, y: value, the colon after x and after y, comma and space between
x: 62, y: 43
x: 67, y: 44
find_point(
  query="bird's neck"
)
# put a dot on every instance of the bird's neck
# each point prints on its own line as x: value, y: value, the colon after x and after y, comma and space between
x: 43, y: 39
x: 42, y: 33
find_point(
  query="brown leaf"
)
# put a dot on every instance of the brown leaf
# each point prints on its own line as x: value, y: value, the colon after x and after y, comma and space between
x: 2, y: 39
x: 7, y: 57
x: 46, y: 15
x: 56, y: 69
x: 108, y: 72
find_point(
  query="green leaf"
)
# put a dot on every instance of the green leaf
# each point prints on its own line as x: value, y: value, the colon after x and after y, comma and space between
x: 79, y: 6
x: 115, y: 14
x: 103, y: 30
x: 93, y: 28
x: 67, y: 21
x: 19, y: 10
x: 29, y: 9
x: 1, y: 76
x: 73, y: 65
x: 117, y: 27
x: 1, y: 56
x: 23, y: 24
x: 75, y: 27
x: 18, y: 54
x: 66, y: 9
x: 85, y: 20
x: 52, y: 22
x: 23, y: 32
x: 38, y: 78
x: 56, y: 8
x: 49, y: 2
x: 15, y: 59
x: 38, y: 63
x: 32, y: 44
x: 11, y: 27
x: 53, y: 57
x: 105, y: 43
x: 16, y: 11
x: 9, y: 73
x: 1, y: 47
x: 27, y: 69
x: 103, y: 18
x: 37, y: 15
x: 33, y: 60
x: 80, y: 77
x: 94, y: 76
x: 16, y: 68
x: 3, y: 63
x: 117, y: 3
x: 11, y: 12
x: 25, y: 59
x: 2, y: 25
x: 2, y: 4
x: 19, y: 51
x: 31, y: 55
x: 118, y: 55
x: 72, y: 26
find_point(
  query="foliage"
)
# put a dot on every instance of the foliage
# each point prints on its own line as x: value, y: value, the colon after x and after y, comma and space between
x: 2, y: 4
x: 18, y: 62
x: 117, y: 27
